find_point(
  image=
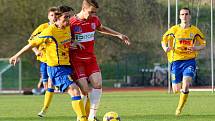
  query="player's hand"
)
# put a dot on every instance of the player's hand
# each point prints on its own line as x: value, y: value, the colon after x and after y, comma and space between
x: 124, y: 38
x: 38, y: 53
x: 192, y: 49
x: 168, y: 49
x: 13, y: 60
x: 76, y: 45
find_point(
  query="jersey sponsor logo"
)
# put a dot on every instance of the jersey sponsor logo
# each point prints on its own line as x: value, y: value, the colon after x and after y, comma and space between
x: 185, y: 42
x: 85, y: 37
x: 93, y: 26
x: 77, y: 29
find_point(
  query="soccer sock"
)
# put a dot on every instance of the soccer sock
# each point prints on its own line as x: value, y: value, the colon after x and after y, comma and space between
x: 182, y: 99
x: 48, y: 98
x: 176, y: 92
x: 94, y: 102
x: 78, y: 107
x: 87, y: 106
x: 86, y: 101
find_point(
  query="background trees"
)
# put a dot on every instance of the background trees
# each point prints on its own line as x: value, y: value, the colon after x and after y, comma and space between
x: 144, y: 21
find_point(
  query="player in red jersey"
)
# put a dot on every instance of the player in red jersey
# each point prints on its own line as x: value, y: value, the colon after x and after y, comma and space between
x: 83, y: 27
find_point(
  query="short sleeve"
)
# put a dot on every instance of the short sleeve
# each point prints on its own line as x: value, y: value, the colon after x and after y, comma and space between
x: 42, y: 37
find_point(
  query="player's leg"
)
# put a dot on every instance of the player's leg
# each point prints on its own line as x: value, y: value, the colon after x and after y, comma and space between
x: 176, y: 77
x: 184, y: 94
x: 189, y: 69
x: 87, y: 104
x: 61, y: 78
x: 96, y: 81
x: 80, y: 76
x: 77, y: 102
x: 176, y: 88
x: 47, y: 98
x: 49, y: 89
x: 83, y: 85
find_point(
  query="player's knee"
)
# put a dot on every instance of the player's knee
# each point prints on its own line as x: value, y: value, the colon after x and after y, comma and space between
x: 73, y: 90
x: 85, y: 91
x: 97, y: 85
x: 50, y: 85
x: 187, y: 79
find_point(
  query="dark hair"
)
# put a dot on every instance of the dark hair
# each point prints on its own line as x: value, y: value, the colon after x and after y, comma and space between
x: 62, y: 9
x: 94, y: 3
x: 185, y: 8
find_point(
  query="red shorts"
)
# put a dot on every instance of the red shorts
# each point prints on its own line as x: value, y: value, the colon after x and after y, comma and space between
x: 84, y: 67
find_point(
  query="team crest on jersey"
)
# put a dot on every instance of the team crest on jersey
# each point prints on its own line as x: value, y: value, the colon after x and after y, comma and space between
x: 191, y: 35
x: 77, y: 29
x: 93, y: 26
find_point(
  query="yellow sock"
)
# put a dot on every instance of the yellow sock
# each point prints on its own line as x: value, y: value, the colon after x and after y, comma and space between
x: 48, y: 98
x: 87, y: 106
x: 176, y: 92
x: 182, y: 100
x: 78, y: 107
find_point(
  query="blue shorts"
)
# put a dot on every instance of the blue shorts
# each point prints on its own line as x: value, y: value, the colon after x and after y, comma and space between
x: 60, y: 76
x: 182, y: 68
x: 43, y: 72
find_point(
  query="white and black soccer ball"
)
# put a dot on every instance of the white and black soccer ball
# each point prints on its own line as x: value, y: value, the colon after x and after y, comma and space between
x: 111, y: 116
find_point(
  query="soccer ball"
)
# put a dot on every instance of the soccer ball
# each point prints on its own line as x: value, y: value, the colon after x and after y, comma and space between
x: 111, y: 116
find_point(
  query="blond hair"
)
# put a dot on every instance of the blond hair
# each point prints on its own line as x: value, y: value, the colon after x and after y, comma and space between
x: 52, y: 9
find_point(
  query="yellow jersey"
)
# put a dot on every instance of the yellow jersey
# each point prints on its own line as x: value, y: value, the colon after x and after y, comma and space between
x: 180, y: 39
x: 57, y: 42
x: 42, y: 47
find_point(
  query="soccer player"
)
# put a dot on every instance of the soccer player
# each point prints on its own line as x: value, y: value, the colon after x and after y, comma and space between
x: 182, y: 43
x: 57, y: 38
x: 40, y: 52
x: 83, y: 27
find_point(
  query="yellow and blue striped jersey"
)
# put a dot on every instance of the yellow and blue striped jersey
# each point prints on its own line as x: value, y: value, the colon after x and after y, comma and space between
x: 57, y: 43
x: 180, y: 39
x: 42, y: 47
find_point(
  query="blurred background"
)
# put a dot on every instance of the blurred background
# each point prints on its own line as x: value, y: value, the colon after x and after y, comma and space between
x: 143, y: 64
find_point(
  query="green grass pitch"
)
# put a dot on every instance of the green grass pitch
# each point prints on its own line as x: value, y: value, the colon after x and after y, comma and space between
x: 131, y: 106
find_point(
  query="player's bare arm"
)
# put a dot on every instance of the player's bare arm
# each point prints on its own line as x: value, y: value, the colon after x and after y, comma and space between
x: 76, y: 45
x: 165, y: 47
x: 36, y: 51
x: 14, y: 59
x: 196, y: 48
x: 105, y: 30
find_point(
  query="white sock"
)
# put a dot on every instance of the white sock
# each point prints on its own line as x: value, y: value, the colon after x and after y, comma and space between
x: 94, y: 102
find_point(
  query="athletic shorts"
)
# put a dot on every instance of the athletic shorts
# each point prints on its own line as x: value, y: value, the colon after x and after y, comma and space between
x: 60, y: 76
x: 84, y: 67
x: 43, y: 72
x: 182, y: 68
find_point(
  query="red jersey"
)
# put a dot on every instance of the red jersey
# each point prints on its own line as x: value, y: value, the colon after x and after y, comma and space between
x: 84, y: 32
